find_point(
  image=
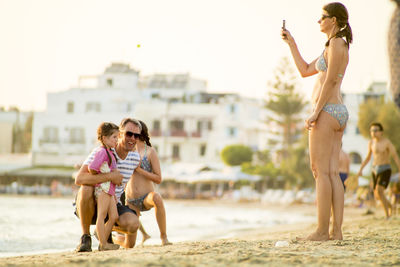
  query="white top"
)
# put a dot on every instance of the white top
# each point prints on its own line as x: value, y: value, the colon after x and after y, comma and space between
x: 126, y: 167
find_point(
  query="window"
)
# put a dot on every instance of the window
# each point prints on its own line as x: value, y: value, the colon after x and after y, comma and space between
x: 203, y: 148
x: 209, y: 125
x: 93, y: 107
x: 176, y: 125
x: 76, y: 135
x: 175, y: 151
x: 155, y: 95
x: 199, y: 126
x: 204, y: 125
x: 70, y: 107
x: 128, y: 107
x: 110, y: 82
x: 156, y: 125
x: 231, y: 132
x: 232, y: 109
x: 50, y: 135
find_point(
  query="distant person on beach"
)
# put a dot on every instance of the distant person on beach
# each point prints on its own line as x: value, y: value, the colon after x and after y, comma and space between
x: 140, y: 192
x: 381, y: 149
x: 127, y: 161
x: 344, y: 167
x: 395, y: 196
x: 104, y: 162
x: 329, y: 117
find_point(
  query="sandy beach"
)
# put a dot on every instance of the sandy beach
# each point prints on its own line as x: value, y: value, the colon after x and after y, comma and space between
x: 368, y: 241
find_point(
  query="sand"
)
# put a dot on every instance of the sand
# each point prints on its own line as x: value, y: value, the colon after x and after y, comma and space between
x: 368, y: 241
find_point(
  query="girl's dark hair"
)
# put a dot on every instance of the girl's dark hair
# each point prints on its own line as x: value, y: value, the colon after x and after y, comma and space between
x: 377, y: 124
x: 339, y: 11
x: 144, y: 134
x: 106, y: 129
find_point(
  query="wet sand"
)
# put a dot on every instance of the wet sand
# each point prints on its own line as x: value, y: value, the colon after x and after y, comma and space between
x: 368, y: 241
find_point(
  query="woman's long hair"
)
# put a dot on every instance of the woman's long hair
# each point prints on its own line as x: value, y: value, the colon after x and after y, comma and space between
x: 144, y: 134
x: 339, y: 11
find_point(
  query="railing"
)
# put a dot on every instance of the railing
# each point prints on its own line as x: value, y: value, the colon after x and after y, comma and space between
x: 178, y: 133
x: 155, y: 133
x: 196, y: 134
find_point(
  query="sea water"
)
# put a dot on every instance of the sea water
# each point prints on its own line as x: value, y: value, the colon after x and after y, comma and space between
x: 35, y: 225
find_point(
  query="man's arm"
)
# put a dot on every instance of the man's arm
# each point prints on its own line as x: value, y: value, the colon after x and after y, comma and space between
x: 84, y: 177
x: 393, y: 153
x: 366, y: 160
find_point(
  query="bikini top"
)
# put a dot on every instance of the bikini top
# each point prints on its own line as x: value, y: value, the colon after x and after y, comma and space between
x: 320, y: 64
x: 146, y: 165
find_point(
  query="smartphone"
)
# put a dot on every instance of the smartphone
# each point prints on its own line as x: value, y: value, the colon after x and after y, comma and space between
x: 284, y: 27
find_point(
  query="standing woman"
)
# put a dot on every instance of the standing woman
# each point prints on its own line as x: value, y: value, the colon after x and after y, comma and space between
x: 329, y: 117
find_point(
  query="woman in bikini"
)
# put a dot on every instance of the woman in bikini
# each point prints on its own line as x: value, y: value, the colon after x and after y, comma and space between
x: 140, y: 192
x: 329, y: 117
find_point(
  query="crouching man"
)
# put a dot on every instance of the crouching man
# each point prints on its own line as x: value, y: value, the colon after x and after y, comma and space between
x: 127, y: 162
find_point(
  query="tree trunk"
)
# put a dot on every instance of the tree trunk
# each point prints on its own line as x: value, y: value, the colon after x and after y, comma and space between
x: 394, y: 54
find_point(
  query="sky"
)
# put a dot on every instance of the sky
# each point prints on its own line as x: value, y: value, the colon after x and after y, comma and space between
x: 233, y: 44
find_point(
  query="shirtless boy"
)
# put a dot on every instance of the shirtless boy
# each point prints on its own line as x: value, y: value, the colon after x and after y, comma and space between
x: 381, y: 149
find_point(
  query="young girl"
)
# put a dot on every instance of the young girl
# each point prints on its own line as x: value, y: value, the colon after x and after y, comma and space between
x: 104, y: 162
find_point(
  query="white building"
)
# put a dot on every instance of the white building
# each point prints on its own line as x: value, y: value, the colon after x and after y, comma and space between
x: 12, y: 125
x: 353, y: 142
x: 185, y: 122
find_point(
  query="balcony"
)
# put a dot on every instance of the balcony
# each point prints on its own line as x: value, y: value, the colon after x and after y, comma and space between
x: 196, y: 134
x: 155, y: 133
x: 178, y: 133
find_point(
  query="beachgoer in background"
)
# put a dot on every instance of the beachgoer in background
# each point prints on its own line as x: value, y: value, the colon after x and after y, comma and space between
x: 381, y: 149
x: 344, y: 167
x: 140, y: 192
x: 395, y: 196
x: 104, y: 162
x: 329, y: 117
x: 127, y: 162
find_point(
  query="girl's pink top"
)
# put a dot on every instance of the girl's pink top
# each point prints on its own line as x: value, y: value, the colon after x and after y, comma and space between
x: 99, y: 158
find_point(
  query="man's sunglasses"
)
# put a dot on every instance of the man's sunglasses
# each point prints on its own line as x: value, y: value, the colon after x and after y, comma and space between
x: 130, y: 134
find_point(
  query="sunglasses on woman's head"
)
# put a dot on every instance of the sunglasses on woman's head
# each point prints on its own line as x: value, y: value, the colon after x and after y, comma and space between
x: 130, y: 134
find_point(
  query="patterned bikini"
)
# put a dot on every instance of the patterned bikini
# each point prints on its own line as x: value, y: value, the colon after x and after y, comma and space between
x: 145, y: 165
x: 338, y: 111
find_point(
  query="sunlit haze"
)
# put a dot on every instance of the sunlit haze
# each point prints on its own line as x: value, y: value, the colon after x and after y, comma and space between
x: 234, y: 45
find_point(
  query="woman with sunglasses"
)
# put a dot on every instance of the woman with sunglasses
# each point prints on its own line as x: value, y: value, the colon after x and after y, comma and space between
x: 329, y: 116
x: 140, y: 192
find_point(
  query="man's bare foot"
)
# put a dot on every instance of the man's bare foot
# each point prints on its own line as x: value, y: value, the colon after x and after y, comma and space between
x: 145, y: 237
x: 165, y: 242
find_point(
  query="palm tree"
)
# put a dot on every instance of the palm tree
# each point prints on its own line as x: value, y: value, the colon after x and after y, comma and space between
x: 394, y: 53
